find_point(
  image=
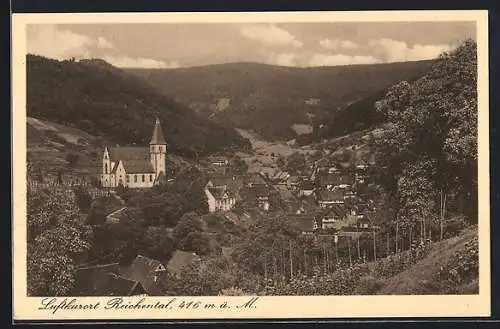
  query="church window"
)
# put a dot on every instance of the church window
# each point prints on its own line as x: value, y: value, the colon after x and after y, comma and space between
x: 143, y: 178
x: 105, y: 168
x: 135, y: 178
x: 150, y: 178
x: 126, y: 178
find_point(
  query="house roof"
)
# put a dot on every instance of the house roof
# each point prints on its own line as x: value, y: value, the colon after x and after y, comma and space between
x: 254, y: 178
x: 138, y: 167
x: 334, y: 179
x: 280, y: 175
x: 157, y: 137
x: 233, y: 183
x: 337, y: 210
x: 325, y: 195
x: 303, y: 222
x: 180, y: 260
x: 143, y: 270
x: 91, y: 280
x: 364, y: 207
x: 120, y: 286
x: 306, y: 185
x: 219, y: 192
x: 128, y: 153
x: 260, y: 190
x: 218, y: 159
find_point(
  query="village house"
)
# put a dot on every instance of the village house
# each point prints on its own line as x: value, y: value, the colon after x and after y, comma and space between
x: 334, y: 216
x: 135, y: 167
x: 219, y: 161
x: 361, y: 173
x: 279, y: 177
x: 105, y: 280
x: 333, y: 170
x: 306, y: 205
x: 293, y: 183
x: 363, y: 222
x: 306, y: 188
x: 261, y: 194
x: 219, y: 198
x: 331, y: 181
x: 223, y: 192
x: 326, y: 198
x: 148, y: 272
x: 233, y: 182
x: 306, y: 223
x: 252, y: 179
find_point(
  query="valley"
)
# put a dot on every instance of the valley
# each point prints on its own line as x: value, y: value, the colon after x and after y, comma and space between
x: 254, y: 179
x: 252, y: 96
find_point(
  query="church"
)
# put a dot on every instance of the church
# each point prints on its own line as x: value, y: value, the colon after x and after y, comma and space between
x: 135, y: 167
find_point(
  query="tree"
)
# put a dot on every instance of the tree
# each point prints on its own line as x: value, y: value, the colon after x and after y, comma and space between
x: 83, y: 198
x: 57, y: 237
x: 239, y: 166
x: 204, y: 278
x: 97, y: 214
x: 72, y: 159
x: 296, y: 163
x: 158, y: 245
x: 189, y: 223
x: 280, y: 162
x: 430, y: 144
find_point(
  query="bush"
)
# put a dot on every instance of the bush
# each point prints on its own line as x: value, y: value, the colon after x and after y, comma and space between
x: 96, y: 216
x: 83, y: 199
x: 463, y: 268
x: 72, y: 159
x: 368, y: 285
x: 340, y: 282
x: 232, y: 292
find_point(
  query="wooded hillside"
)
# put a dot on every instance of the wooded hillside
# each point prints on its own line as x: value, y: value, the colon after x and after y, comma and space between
x: 106, y: 101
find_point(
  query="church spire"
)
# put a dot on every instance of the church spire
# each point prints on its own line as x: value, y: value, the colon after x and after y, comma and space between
x: 157, y: 134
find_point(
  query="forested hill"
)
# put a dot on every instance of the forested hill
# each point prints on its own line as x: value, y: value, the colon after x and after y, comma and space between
x: 103, y: 100
x: 253, y: 96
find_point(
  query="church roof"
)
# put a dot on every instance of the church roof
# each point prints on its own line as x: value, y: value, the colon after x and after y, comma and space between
x: 129, y: 153
x: 157, y: 137
x: 138, y: 167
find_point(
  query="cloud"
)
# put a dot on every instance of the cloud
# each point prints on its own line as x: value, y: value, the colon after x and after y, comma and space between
x: 338, y: 44
x: 48, y: 41
x: 340, y: 59
x: 271, y: 35
x: 127, y: 62
x: 282, y: 59
x: 398, y: 51
x: 103, y: 43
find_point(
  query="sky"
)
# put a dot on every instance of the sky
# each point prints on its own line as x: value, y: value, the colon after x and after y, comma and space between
x: 294, y: 44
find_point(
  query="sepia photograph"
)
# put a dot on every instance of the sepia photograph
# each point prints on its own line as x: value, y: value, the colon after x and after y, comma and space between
x: 252, y: 158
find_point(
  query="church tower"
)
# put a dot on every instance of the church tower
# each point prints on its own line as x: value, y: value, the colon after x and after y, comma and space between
x: 158, y: 150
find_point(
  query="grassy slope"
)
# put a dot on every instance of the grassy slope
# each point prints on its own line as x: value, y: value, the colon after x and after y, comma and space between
x: 49, y: 152
x: 252, y: 96
x: 419, y: 277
